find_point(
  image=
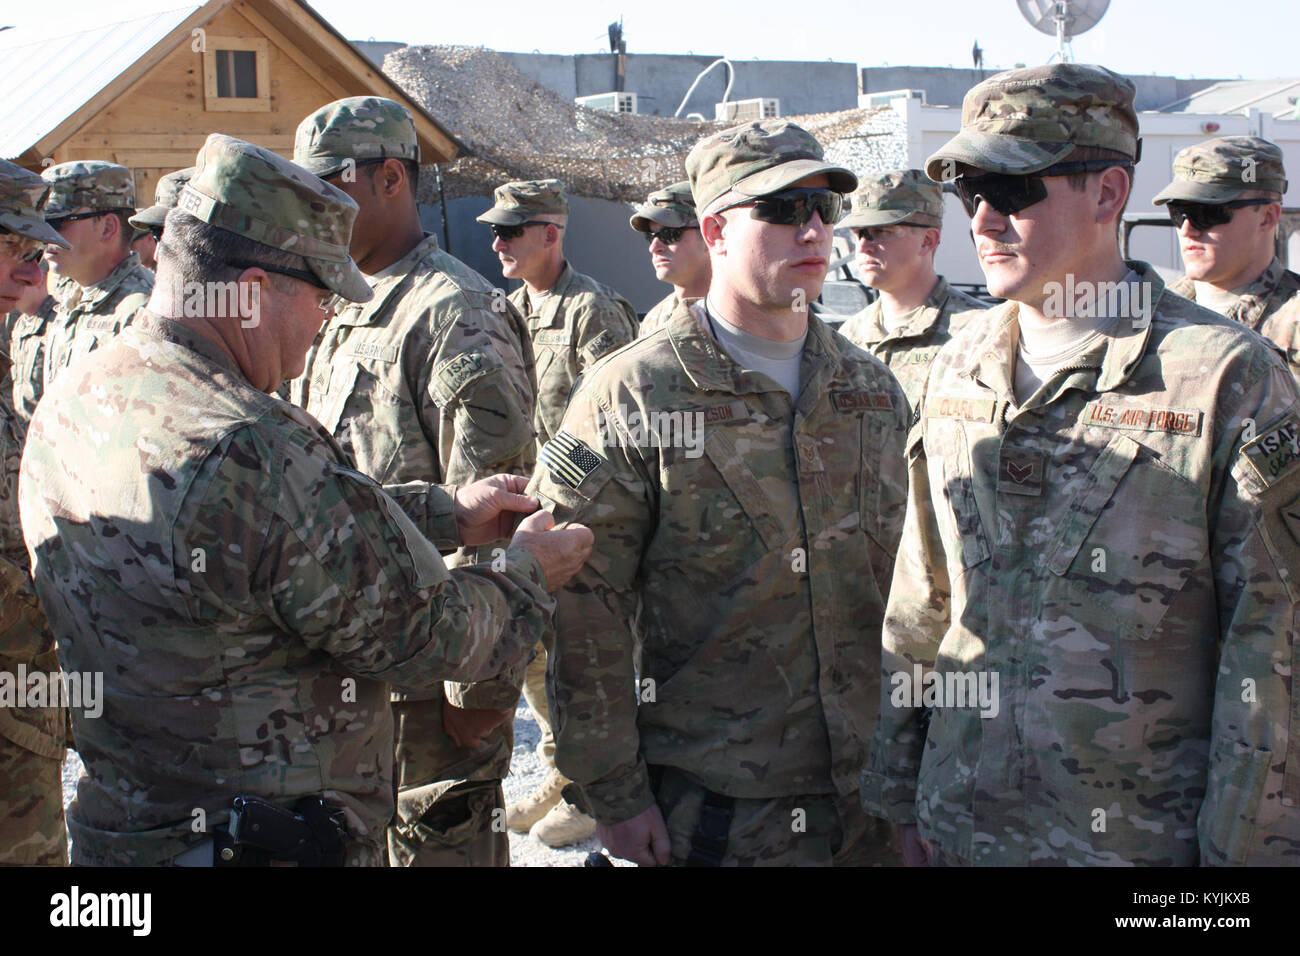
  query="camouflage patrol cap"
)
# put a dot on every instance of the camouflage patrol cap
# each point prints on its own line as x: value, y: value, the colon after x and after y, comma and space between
x: 899, y: 195
x: 22, y: 196
x: 164, y: 200
x: 358, y: 128
x: 517, y: 202
x: 252, y: 192
x: 757, y: 159
x: 88, y: 185
x: 1221, y: 169
x: 672, y: 206
x: 1022, y: 121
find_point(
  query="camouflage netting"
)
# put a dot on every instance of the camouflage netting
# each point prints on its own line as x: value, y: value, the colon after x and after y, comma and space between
x: 511, y: 127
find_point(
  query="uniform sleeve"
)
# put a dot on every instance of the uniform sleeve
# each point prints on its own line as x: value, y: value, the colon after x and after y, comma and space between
x: 335, y: 561
x: 480, y: 398
x: 916, y: 619
x: 602, y: 324
x: 590, y: 673
x: 1250, y: 814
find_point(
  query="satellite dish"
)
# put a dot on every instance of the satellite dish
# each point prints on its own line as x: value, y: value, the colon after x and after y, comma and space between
x: 1063, y: 19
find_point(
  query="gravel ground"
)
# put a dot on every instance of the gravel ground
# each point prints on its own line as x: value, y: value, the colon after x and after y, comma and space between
x: 526, y: 772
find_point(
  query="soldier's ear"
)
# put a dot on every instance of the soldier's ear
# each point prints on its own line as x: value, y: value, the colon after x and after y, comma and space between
x: 711, y: 226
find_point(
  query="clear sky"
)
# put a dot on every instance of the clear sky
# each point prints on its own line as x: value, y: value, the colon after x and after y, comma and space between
x: 1255, y: 39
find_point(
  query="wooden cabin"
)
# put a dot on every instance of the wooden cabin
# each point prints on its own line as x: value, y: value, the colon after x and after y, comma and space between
x: 147, y: 92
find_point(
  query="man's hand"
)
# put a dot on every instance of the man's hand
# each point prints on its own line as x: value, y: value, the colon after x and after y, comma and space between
x: 488, y: 509
x: 467, y: 727
x: 916, y: 851
x: 643, y: 839
x: 561, y: 552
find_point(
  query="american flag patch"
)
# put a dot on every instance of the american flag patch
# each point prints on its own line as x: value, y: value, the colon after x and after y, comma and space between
x: 568, y: 460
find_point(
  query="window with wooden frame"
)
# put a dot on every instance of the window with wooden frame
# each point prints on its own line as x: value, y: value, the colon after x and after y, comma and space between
x: 236, y: 74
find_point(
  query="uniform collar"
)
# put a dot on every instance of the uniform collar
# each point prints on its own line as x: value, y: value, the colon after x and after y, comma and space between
x: 158, y: 327
x: 387, y: 288
x: 96, y: 293
x: 993, y: 361
x: 921, y: 320
x: 1253, y: 298
x: 709, y: 367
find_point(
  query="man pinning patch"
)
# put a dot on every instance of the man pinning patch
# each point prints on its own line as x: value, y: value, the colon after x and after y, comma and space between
x: 1099, y: 517
x: 716, y: 667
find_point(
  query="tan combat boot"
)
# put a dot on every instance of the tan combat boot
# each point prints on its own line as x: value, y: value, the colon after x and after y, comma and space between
x: 521, y: 815
x: 564, y: 826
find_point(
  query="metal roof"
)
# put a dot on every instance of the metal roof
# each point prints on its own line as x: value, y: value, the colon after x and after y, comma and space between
x: 1274, y: 97
x: 48, y: 78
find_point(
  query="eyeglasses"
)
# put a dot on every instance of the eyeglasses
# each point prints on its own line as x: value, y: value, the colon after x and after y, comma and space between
x: 667, y: 235
x: 1012, y: 194
x: 58, y: 222
x: 21, y: 247
x: 795, y: 207
x: 1204, y: 215
x: 506, y: 233
x: 885, y: 233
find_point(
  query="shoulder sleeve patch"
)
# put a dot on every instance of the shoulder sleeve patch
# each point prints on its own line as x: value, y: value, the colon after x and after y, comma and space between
x: 568, y: 460
x: 460, y: 370
x: 1275, y: 453
x: 607, y: 341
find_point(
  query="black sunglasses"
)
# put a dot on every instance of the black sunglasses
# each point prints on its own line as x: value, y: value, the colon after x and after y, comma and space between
x: 57, y: 221
x: 506, y: 233
x: 1204, y: 215
x: 871, y: 233
x: 1012, y: 194
x: 795, y: 207
x: 667, y: 235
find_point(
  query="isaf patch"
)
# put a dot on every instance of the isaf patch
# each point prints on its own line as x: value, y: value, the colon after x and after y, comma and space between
x: 460, y: 370
x: 601, y: 344
x: 568, y: 460
x: 1276, y: 452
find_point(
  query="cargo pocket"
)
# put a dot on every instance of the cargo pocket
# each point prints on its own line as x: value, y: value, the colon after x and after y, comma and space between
x: 1122, y: 543
x: 1226, y: 823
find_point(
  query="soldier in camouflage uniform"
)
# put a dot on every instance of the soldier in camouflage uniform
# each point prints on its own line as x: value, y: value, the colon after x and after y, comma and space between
x: 1225, y: 200
x: 148, y: 222
x: 245, y: 593
x: 27, y: 324
x: 668, y: 221
x: 716, y: 667
x: 31, y: 738
x: 573, y: 321
x: 102, y: 281
x: 1099, y: 543
x: 432, y: 380
x: 896, y: 218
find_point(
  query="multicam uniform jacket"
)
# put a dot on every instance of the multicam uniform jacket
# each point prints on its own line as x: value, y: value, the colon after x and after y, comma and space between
x: 88, y: 316
x: 246, y: 594
x: 577, y: 323
x: 1120, y: 553
x: 741, y: 564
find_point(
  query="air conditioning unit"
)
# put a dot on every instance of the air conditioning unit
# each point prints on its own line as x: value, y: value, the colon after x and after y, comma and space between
x: 871, y: 101
x: 609, y: 102
x: 742, y: 111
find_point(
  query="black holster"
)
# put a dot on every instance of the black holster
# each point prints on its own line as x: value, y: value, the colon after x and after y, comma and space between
x: 709, y: 842
x: 262, y: 834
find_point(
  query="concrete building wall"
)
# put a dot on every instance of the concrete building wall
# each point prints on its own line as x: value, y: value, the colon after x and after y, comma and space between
x: 660, y: 81
x: 945, y: 86
x: 598, y: 241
